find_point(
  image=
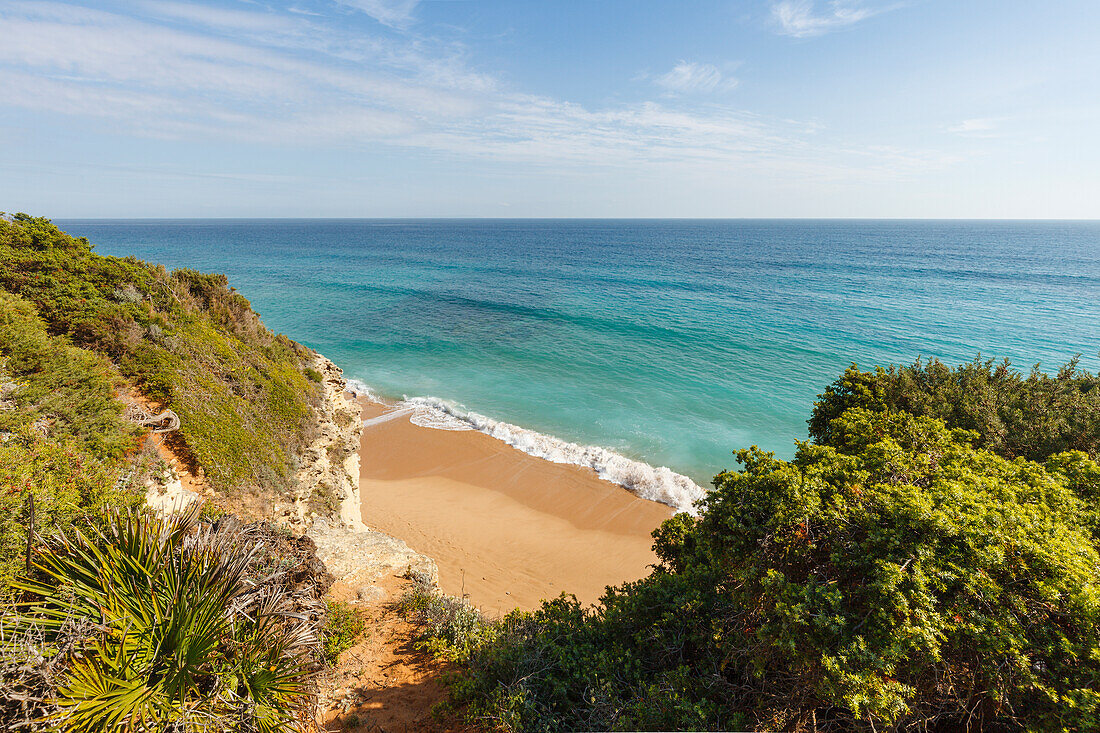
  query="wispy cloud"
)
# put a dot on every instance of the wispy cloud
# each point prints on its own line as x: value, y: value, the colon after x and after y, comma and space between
x: 802, y: 18
x: 105, y: 61
x: 978, y: 126
x: 290, y: 80
x: 688, y: 77
x: 394, y: 13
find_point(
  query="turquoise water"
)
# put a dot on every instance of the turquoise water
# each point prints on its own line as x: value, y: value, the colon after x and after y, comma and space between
x: 673, y: 342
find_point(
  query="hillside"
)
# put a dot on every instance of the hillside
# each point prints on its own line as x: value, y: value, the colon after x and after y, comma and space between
x: 121, y: 385
x: 187, y: 339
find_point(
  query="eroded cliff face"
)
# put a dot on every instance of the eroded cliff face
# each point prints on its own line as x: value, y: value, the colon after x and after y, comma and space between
x: 326, y: 483
x: 326, y: 501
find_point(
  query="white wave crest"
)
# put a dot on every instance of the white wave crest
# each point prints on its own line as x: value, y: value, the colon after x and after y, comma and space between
x: 658, y: 484
x: 424, y: 415
x: 360, y: 389
x: 649, y: 482
x: 427, y: 416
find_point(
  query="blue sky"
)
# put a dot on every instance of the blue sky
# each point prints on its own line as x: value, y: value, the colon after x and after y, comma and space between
x: 604, y: 108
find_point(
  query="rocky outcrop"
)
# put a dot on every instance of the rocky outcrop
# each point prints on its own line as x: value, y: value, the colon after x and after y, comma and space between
x: 326, y: 503
x: 166, y: 494
x: 361, y: 558
x: 327, y: 480
x: 324, y: 507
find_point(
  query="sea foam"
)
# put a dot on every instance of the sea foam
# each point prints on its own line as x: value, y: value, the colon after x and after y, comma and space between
x: 659, y: 484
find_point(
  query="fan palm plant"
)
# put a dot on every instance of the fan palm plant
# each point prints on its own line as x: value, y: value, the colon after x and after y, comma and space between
x: 172, y: 634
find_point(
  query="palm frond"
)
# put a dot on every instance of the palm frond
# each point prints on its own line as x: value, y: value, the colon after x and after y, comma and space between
x: 180, y: 636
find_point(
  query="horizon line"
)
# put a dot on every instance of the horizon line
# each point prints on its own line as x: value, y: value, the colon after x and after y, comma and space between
x: 569, y: 218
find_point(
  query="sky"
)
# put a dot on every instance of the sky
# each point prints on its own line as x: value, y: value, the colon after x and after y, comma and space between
x: 551, y: 108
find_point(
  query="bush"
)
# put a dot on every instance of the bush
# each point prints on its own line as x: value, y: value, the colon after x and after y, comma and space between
x: 893, y: 577
x: 901, y: 577
x: 159, y: 628
x: 343, y: 627
x: 1031, y: 417
x: 452, y: 628
x: 62, y: 438
x: 65, y: 390
x: 70, y: 488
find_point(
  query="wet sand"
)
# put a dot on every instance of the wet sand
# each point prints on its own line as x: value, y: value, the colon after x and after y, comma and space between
x: 507, y: 529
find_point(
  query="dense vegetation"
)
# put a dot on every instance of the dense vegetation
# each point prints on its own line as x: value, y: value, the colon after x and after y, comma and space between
x: 1033, y: 416
x: 62, y: 438
x: 906, y: 571
x: 125, y: 621
x: 184, y: 338
x: 166, y: 625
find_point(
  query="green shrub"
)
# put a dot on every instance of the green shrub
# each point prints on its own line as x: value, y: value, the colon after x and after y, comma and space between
x: 70, y: 488
x: 343, y: 627
x: 62, y: 438
x: 160, y: 628
x: 1015, y: 416
x: 69, y: 391
x: 452, y: 627
x: 895, y: 578
x: 312, y: 374
x: 186, y: 338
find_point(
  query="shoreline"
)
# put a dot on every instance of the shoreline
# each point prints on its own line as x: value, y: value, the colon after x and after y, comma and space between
x: 655, y: 483
x: 507, y: 529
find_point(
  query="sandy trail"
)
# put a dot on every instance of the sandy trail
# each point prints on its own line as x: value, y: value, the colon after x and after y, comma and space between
x: 505, y: 528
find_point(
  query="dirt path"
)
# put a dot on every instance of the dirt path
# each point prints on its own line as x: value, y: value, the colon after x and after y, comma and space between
x: 384, y: 684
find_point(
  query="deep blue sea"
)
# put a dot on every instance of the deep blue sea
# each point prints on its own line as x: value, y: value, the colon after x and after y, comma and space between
x: 671, y: 342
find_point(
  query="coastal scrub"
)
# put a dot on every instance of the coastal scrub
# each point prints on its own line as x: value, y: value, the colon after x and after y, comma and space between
x: 162, y: 624
x: 894, y: 575
x: 185, y: 338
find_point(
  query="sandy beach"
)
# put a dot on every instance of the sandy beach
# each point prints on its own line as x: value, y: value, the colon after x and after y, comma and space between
x: 505, y: 528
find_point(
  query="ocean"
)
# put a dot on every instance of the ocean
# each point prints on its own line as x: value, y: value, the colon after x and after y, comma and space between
x: 628, y: 345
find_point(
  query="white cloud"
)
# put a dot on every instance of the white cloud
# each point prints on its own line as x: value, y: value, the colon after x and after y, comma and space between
x: 394, y: 13
x: 801, y: 19
x: 688, y: 77
x: 104, y: 52
x: 977, y: 125
x: 295, y: 82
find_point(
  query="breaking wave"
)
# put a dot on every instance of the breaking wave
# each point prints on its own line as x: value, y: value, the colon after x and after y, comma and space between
x: 648, y: 482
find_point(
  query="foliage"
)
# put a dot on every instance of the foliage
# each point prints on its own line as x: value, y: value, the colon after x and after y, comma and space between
x: 172, y: 634
x: 897, y: 577
x: 186, y: 338
x: 343, y: 627
x: 66, y: 390
x: 1032, y: 417
x: 62, y: 439
x: 452, y: 627
x: 68, y: 486
x: 1082, y: 476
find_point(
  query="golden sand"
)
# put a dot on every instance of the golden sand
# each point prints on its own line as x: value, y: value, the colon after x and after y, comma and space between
x: 505, y: 528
